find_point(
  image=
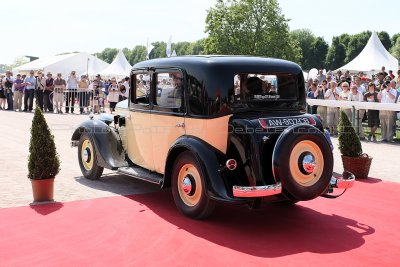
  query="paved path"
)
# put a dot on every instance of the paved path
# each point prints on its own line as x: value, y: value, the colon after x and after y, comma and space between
x: 15, y: 187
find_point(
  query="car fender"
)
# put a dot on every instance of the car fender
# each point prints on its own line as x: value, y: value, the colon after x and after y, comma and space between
x: 107, y: 142
x: 207, y: 157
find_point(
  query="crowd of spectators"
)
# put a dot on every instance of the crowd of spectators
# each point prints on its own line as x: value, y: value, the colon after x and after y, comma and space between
x: 59, y: 95
x: 382, y: 87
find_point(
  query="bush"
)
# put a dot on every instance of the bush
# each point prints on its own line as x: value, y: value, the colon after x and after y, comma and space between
x: 43, y: 161
x: 349, y: 143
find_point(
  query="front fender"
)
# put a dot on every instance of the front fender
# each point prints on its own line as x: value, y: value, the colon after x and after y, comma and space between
x: 107, y: 142
x: 207, y: 157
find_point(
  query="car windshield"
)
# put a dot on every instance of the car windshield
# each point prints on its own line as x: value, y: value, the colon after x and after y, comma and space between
x: 265, y: 90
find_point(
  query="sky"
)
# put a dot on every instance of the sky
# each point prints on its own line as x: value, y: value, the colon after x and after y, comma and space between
x: 45, y: 28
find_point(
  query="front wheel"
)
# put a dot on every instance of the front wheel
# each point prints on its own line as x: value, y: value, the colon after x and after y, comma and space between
x: 88, y: 158
x: 188, y: 187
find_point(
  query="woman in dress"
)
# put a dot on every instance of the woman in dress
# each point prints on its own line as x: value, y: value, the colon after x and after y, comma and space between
x: 373, y: 115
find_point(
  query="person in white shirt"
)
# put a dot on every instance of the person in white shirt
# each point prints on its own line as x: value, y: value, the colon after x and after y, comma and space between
x: 332, y: 112
x: 345, y: 95
x: 387, y: 95
x: 72, y: 86
x: 357, y: 96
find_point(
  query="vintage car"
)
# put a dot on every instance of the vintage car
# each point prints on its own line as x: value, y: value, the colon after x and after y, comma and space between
x: 215, y: 128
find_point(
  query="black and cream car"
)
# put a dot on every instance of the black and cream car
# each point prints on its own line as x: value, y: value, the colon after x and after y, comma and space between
x: 215, y: 128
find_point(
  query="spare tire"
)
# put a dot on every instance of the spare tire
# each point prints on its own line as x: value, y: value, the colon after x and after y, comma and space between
x: 302, y: 160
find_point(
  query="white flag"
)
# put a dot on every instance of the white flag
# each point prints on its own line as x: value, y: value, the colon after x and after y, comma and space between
x: 168, y: 50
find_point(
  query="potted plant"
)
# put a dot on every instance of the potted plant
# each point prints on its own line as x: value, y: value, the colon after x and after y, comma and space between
x: 43, y: 161
x: 354, y: 160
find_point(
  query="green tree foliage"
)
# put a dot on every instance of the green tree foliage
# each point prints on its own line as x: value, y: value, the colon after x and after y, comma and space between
x: 249, y: 27
x: 336, y: 54
x: 158, y: 50
x: 320, y: 49
x: 305, y: 38
x: 394, y: 38
x: 181, y: 48
x: 356, y: 44
x: 196, y: 48
x: 349, y: 143
x: 395, y: 50
x: 137, y: 54
x: 107, y: 54
x: 43, y: 161
x: 385, y: 39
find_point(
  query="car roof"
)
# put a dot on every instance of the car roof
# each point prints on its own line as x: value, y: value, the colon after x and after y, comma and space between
x: 233, y: 63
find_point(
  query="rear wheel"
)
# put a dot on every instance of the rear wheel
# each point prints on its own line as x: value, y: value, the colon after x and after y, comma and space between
x: 304, y: 165
x: 188, y: 187
x: 88, y: 158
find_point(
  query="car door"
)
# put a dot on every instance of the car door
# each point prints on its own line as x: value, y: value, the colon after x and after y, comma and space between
x: 138, y: 121
x: 168, y: 115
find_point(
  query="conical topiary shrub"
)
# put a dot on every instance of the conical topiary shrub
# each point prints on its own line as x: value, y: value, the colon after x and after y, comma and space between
x: 43, y: 162
x: 353, y: 159
x: 349, y: 143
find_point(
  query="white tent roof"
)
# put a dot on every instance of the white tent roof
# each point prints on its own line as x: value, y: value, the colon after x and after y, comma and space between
x: 64, y: 64
x: 120, y: 67
x: 95, y: 65
x: 372, y: 57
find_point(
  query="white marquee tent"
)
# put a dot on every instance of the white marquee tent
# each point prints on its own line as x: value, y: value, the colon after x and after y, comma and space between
x: 120, y: 67
x: 79, y: 62
x: 372, y: 58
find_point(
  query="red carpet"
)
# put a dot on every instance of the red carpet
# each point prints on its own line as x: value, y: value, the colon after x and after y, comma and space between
x: 359, y: 229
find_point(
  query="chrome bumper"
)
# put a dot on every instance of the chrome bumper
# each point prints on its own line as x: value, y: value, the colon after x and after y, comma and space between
x: 74, y: 143
x: 257, y: 191
x: 346, y: 181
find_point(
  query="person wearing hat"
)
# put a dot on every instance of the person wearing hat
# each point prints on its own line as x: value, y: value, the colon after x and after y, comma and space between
x: 48, y: 93
x: 8, y: 82
x: 40, y: 85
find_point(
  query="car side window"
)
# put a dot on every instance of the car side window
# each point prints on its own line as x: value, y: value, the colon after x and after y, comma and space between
x: 142, y: 88
x: 169, y: 89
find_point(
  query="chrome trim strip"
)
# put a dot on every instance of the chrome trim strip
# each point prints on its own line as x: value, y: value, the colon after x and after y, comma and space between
x: 257, y: 191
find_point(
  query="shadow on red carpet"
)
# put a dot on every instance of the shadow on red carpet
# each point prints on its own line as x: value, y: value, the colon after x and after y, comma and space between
x: 147, y: 230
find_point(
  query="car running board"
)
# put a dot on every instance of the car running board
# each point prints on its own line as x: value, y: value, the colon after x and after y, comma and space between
x: 142, y: 174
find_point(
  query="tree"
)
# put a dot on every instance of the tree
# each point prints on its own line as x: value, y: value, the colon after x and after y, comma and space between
x: 158, y: 50
x: 336, y: 54
x: 196, y: 48
x: 394, y: 38
x: 137, y: 54
x: 249, y: 27
x: 181, y: 48
x: 305, y: 38
x: 356, y: 44
x: 385, y: 39
x: 107, y: 54
x: 319, y: 48
x: 17, y: 62
x: 395, y: 50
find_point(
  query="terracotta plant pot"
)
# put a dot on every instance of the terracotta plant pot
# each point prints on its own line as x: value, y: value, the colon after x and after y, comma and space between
x: 43, y: 190
x: 359, y: 166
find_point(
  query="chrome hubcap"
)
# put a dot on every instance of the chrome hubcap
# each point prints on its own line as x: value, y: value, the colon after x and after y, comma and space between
x: 308, y: 163
x: 187, y: 185
x: 86, y: 155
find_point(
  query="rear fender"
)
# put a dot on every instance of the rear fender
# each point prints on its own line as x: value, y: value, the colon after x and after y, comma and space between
x: 107, y: 142
x: 207, y: 157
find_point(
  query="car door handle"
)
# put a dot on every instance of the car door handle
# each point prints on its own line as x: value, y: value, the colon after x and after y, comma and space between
x: 181, y: 125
